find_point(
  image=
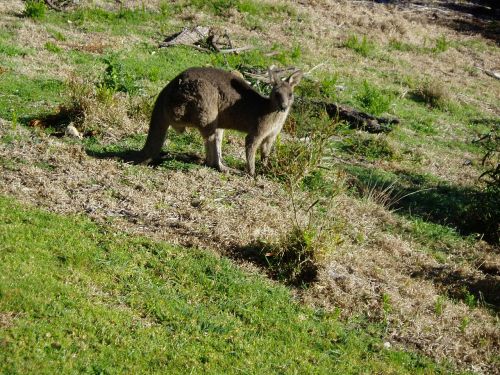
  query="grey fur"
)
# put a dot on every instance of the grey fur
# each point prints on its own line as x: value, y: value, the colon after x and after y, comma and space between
x: 211, y: 100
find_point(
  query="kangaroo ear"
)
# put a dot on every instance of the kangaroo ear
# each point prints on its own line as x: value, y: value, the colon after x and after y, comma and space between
x: 273, y: 76
x: 294, y: 78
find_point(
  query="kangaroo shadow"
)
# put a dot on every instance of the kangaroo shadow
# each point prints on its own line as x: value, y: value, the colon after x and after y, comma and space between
x: 132, y: 157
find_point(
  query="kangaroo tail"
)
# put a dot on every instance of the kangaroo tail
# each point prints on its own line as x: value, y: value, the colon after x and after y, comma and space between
x: 157, y: 133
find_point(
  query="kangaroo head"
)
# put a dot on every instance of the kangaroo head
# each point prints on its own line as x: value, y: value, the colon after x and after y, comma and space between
x: 282, y: 92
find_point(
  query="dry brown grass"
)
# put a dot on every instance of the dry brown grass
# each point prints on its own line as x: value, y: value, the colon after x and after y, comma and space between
x: 386, y: 278
x: 228, y: 212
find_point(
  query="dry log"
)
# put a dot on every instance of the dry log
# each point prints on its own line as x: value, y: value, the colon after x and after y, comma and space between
x: 187, y: 37
x: 356, y: 119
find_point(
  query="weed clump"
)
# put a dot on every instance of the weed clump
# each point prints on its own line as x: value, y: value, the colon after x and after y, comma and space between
x: 373, y: 100
x: 362, y: 46
x: 432, y: 93
x: 35, y: 9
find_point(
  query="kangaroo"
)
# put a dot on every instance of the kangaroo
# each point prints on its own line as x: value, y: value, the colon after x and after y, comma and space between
x: 212, y: 100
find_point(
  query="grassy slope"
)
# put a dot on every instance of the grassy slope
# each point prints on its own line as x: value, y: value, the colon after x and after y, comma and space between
x: 425, y: 153
x: 76, y: 297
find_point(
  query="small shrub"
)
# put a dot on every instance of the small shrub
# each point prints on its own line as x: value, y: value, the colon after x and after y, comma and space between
x: 35, y: 9
x: 364, y: 47
x: 297, y: 157
x: 293, y: 259
x: 116, y: 79
x: 490, y: 142
x: 373, y: 100
x: 432, y: 93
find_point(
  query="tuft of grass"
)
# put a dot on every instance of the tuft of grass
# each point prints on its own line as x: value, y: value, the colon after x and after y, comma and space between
x: 363, y: 46
x: 371, y: 146
x: 372, y: 99
x: 52, y: 47
x: 432, y: 93
x: 398, y: 45
x: 12, y: 50
x: 35, y: 9
x: 442, y: 44
x: 77, y: 297
x: 439, y: 305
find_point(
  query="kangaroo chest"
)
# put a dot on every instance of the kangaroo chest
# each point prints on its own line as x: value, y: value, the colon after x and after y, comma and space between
x: 274, y: 122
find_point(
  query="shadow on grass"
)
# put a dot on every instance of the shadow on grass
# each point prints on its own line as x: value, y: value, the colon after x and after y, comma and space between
x: 470, y: 210
x: 287, y: 267
x: 467, y: 209
x: 476, y: 16
x: 473, y: 16
x: 472, y: 289
x: 175, y: 161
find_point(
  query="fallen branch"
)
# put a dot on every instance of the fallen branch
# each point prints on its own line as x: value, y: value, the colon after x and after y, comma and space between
x: 203, y: 39
x: 356, y: 119
x: 60, y: 5
x: 53, y: 6
x: 187, y: 37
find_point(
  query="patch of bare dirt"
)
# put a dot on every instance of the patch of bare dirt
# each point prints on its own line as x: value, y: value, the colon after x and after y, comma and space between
x: 7, y: 319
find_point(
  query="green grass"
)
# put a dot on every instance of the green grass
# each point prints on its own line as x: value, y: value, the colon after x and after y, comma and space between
x: 52, y: 47
x: 78, y: 297
x: 35, y: 9
x: 24, y: 97
x: 440, y: 44
x: 363, y: 46
x: 372, y: 147
x: 10, y: 50
x: 372, y: 99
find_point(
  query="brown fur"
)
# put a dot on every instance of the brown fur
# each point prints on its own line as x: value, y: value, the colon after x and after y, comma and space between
x: 211, y: 100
